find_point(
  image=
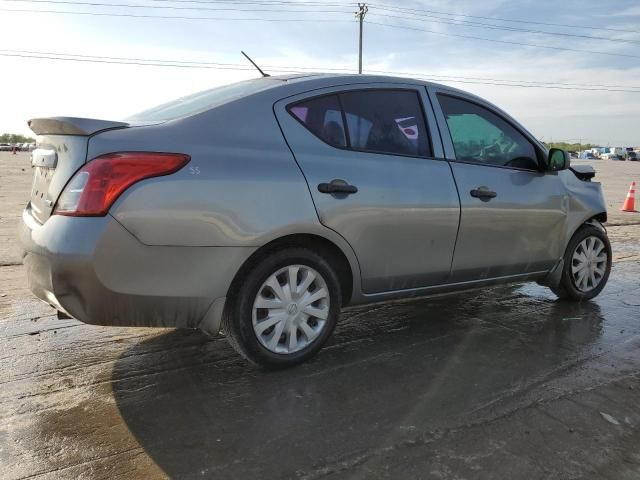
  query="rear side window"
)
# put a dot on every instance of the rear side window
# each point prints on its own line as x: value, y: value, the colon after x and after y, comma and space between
x: 378, y: 121
x: 201, y: 101
x: 386, y: 121
x: 481, y: 136
x: 323, y: 117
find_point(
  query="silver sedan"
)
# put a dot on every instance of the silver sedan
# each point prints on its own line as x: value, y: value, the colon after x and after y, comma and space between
x: 263, y: 208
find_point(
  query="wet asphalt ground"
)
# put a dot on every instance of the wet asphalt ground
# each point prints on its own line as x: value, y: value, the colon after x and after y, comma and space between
x: 500, y: 383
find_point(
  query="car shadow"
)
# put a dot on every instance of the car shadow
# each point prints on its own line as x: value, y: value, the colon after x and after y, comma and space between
x: 391, y: 373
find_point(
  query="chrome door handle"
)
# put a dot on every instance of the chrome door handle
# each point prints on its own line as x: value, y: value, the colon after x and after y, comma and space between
x: 337, y: 186
x: 483, y: 193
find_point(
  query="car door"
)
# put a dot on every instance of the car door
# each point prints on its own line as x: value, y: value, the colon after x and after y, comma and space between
x: 378, y: 179
x: 513, y: 213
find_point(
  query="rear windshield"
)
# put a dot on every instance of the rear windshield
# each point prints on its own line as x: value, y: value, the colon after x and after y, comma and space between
x: 201, y: 101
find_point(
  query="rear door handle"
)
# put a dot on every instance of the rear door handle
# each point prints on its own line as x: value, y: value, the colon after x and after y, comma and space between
x: 483, y: 193
x: 337, y: 186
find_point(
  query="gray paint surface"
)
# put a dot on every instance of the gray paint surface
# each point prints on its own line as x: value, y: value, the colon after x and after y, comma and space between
x: 98, y: 272
x: 403, y: 221
x: 521, y: 230
x: 71, y: 153
x: 253, y: 178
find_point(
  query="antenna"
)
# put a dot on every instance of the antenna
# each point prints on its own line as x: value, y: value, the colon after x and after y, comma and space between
x: 254, y: 64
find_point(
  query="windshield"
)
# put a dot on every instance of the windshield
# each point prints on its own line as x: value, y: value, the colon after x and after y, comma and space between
x: 201, y: 101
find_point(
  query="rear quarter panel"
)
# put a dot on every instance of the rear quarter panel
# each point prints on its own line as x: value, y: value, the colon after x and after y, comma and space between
x: 241, y: 188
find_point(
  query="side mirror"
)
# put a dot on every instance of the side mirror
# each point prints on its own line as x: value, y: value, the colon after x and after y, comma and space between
x: 558, y: 160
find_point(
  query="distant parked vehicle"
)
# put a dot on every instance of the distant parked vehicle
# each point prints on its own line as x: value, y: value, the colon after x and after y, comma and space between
x: 5, y: 147
x: 617, y: 156
x: 631, y: 156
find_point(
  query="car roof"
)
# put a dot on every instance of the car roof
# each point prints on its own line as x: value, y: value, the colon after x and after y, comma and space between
x: 330, y: 79
x: 300, y: 83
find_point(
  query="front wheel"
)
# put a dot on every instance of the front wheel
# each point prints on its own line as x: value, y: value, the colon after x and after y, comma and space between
x: 286, y: 308
x: 587, y: 264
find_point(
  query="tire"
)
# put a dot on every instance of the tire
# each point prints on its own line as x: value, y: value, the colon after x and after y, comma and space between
x: 569, y: 288
x: 242, y: 322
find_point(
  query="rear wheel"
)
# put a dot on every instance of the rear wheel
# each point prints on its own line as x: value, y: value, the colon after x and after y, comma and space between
x: 285, y: 309
x: 587, y: 264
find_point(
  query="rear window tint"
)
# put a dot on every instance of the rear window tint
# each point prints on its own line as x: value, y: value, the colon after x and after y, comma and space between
x: 201, y: 101
x: 386, y: 121
x: 323, y: 117
x: 378, y: 121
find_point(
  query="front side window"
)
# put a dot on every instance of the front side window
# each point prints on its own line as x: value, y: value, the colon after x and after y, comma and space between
x: 323, y: 117
x: 386, y: 121
x: 481, y: 136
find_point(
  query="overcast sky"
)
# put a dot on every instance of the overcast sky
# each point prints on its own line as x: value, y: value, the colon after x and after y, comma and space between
x: 325, y: 37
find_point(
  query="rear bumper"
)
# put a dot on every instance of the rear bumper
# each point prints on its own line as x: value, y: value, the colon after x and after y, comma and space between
x: 94, y: 270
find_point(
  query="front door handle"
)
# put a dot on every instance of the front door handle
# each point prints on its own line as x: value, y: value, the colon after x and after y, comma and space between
x: 483, y: 193
x: 337, y: 186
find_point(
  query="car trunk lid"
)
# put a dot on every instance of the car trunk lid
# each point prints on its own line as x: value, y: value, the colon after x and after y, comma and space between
x: 61, y: 149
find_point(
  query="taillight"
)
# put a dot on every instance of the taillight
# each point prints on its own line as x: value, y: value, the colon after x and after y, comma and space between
x: 94, y: 188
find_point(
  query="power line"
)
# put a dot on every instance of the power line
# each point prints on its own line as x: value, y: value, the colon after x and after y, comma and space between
x: 283, y: 6
x: 173, y: 7
x: 262, y: 2
x: 142, y: 61
x: 281, y: 3
x: 176, y: 17
x: 256, y: 19
x: 553, y: 87
x: 508, y: 42
x: 373, y: 23
x: 120, y: 62
x: 296, y: 70
x: 31, y: 52
x: 463, y: 23
x: 513, y: 20
x: 533, y: 82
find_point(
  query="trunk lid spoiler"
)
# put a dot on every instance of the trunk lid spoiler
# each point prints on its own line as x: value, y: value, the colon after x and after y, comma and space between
x: 72, y: 126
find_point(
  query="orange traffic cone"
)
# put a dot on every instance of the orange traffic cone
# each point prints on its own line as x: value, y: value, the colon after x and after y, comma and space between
x: 629, y: 202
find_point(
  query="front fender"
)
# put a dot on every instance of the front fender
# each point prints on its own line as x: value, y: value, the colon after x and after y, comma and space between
x: 586, y: 203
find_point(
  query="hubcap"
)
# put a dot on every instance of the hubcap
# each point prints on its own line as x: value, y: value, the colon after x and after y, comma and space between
x: 291, y: 309
x: 589, y: 264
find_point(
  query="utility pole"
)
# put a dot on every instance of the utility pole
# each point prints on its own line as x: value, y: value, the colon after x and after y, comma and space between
x: 362, y: 11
